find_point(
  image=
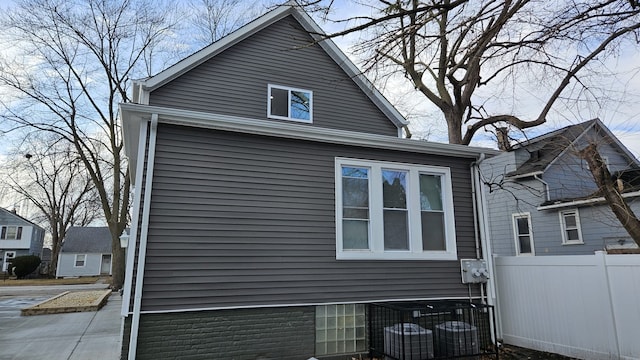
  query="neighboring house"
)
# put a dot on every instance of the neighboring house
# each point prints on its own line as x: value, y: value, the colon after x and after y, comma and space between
x: 274, y: 197
x: 85, y: 251
x: 542, y: 198
x: 18, y: 237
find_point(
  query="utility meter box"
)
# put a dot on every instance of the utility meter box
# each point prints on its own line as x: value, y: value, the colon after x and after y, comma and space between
x: 474, y: 271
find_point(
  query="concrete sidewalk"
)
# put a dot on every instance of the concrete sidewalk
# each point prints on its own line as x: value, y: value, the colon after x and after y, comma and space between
x: 73, y: 336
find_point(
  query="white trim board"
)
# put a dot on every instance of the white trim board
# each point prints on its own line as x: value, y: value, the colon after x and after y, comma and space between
x: 270, y: 306
x: 134, y: 115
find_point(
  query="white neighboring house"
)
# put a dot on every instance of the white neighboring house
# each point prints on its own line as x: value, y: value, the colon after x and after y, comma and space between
x: 18, y: 237
x: 86, y: 251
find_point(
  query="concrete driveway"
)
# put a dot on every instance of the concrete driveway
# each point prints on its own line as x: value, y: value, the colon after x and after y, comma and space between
x: 72, y: 336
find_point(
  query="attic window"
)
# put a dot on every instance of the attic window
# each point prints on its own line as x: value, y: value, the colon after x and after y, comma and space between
x: 290, y: 104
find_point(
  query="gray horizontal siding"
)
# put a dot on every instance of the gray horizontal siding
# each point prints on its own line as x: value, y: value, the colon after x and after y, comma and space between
x: 569, y: 175
x: 235, y: 81
x: 92, y: 267
x: 244, y: 220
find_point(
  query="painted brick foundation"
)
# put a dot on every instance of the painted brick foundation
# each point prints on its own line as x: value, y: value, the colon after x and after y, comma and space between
x: 242, y: 334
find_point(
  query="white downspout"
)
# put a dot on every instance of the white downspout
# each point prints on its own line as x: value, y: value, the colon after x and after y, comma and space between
x: 485, y: 240
x: 475, y: 207
x: 546, y: 186
x: 146, y: 205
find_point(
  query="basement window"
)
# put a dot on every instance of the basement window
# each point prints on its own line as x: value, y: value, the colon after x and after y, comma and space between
x: 340, y: 329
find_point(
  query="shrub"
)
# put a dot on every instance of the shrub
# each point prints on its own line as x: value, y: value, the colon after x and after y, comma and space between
x: 24, y: 265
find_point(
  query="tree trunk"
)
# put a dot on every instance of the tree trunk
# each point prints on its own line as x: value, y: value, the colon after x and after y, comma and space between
x: 117, y: 263
x: 611, y: 193
x: 55, y: 253
x: 454, y: 126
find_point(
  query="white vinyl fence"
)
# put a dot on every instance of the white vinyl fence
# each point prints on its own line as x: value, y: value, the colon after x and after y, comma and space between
x: 584, y: 306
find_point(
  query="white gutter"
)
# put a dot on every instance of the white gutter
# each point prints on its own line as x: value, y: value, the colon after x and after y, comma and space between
x: 520, y: 176
x: 137, y: 300
x: 584, y: 202
x: 133, y: 232
x: 297, y: 131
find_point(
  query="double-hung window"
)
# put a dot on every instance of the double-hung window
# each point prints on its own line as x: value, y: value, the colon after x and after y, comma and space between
x: 523, y: 234
x: 570, y: 222
x: 393, y: 211
x: 80, y: 260
x: 11, y: 233
x: 290, y: 104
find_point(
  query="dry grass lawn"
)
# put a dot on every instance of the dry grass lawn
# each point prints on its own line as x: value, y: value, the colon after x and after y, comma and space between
x: 37, y: 282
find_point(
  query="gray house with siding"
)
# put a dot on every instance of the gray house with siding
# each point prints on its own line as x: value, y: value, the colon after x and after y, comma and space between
x: 18, y: 237
x: 274, y: 197
x: 542, y: 199
x: 85, y: 251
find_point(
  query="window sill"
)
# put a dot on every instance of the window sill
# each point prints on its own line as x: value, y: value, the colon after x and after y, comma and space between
x: 395, y: 256
x: 573, y: 243
x: 310, y: 121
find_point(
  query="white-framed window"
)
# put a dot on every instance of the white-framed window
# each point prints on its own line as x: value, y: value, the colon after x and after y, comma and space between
x: 523, y: 234
x: 570, y: 222
x: 393, y: 211
x: 11, y: 232
x: 340, y: 329
x: 288, y: 103
x: 80, y: 260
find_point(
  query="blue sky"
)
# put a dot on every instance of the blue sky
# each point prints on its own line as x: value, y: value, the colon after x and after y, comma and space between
x: 621, y: 115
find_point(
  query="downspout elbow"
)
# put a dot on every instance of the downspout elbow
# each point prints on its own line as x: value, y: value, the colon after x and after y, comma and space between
x: 546, y: 187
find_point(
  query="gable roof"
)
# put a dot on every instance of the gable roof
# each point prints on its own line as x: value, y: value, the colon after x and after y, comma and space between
x: 544, y: 150
x: 87, y: 240
x: 10, y: 214
x: 143, y: 87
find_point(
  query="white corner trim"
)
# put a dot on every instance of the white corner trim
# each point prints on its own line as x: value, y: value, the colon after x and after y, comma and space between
x: 133, y: 231
x: 137, y: 300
